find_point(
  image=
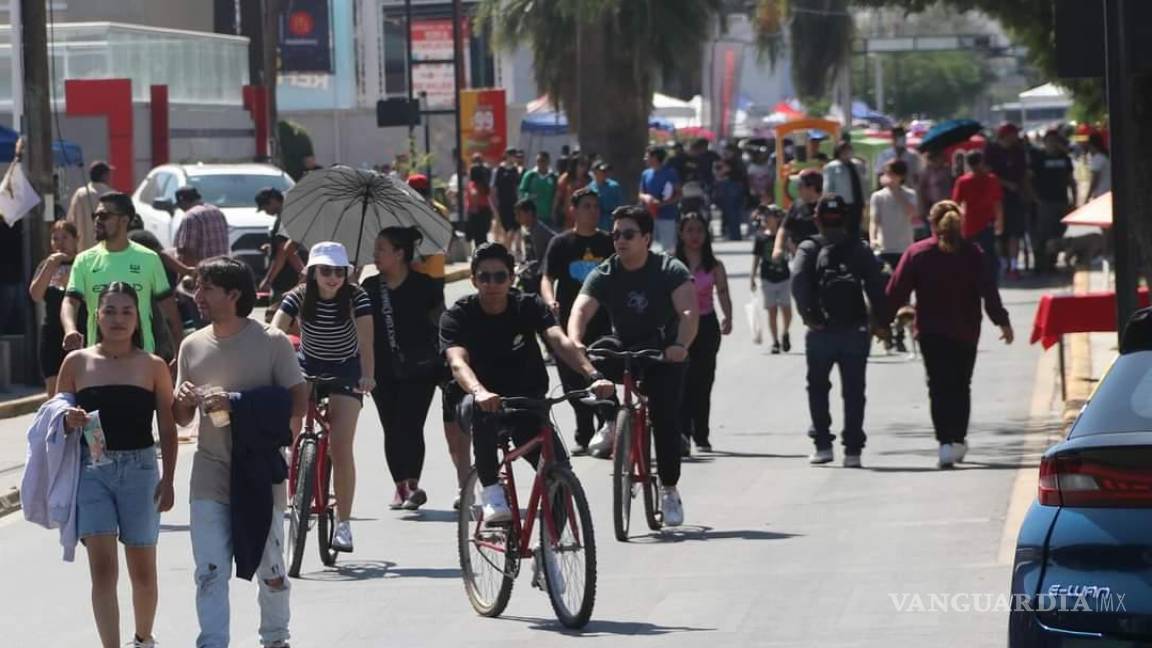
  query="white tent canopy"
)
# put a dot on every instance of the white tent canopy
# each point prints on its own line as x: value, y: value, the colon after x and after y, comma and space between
x: 1048, y: 95
x: 682, y: 114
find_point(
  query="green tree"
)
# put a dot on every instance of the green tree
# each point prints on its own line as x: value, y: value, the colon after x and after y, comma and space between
x: 819, y: 39
x: 599, y: 60
x: 936, y: 85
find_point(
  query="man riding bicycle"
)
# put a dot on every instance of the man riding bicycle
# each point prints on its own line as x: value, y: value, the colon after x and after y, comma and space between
x: 651, y: 302
x: 490, y: 341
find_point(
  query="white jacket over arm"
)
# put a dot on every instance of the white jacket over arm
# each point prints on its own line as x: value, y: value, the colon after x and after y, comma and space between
x: 52, y: 473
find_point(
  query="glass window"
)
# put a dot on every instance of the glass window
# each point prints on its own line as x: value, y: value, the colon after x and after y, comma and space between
x: 1122, y: 401
x: 395, y: 55
x: 236, y: 190
x: 149, y: 190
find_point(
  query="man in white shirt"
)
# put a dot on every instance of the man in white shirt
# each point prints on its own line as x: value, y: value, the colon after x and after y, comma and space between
x: 844, y: 176
x: 85, y: 201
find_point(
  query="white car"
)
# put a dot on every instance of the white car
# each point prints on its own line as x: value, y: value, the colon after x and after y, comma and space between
x: 231, y: 187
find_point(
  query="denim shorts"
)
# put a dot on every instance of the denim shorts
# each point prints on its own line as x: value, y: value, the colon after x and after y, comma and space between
x: 118, y: 497
x: 347, y: 372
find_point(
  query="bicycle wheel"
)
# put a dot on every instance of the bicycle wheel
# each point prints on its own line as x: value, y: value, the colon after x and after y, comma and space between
x: 489, y: 556
x: 326, y: 520
x: 652, y: 512
x: 622, y: 491
x: 569, y: 558
x: 300, y: 511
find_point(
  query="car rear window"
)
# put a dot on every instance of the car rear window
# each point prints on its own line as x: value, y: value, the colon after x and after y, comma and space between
x: 1123, y: 399
x: 236, y: 190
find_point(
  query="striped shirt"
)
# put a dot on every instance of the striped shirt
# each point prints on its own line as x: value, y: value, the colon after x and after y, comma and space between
x: 330, y: 335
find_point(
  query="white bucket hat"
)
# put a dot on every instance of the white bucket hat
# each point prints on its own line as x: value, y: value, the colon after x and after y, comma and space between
x: 328, y: 253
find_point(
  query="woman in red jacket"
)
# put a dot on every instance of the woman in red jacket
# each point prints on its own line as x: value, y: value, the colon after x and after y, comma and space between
x: 950, y: 278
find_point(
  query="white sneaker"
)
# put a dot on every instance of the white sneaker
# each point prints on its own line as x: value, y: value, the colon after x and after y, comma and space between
x: 494, y: 505
x: 342, y: 539
x: 959, y: 450
x: 947, y: 456
x: 672, y: 506
x: 852, y: 461
x: 601, y: 444
x: 821, y: 456
x: 141, y: 643
x: 539, y: 563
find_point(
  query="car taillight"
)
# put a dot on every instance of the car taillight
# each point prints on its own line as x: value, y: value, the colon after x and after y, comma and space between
x: 1077, y: 481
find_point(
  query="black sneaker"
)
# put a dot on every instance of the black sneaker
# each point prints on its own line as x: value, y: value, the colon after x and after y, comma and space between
x: 685, y: 446
x: 578, y: 450
x: 704, y: 447
x: 786, y: 343
x: 900, y: 348
x: 775, y: 348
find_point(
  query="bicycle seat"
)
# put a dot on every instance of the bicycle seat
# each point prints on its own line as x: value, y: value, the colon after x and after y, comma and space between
x: 642, y: 356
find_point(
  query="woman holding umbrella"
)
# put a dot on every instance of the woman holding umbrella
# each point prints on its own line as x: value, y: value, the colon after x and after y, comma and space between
x: 335, y: 320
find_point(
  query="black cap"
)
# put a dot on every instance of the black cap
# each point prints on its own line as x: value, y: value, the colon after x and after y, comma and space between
x: 187, y: 192
x: 266, y: 195
x: 831, y: 210
x: 602, y: 166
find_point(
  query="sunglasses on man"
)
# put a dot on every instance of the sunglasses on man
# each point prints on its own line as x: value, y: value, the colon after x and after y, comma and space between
x: 626, y: 234
x: 103, y: 215
x: 498, y: 277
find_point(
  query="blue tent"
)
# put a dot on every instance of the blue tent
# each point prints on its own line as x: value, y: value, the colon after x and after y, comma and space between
x: 544, y: 123
x: 65, y: 153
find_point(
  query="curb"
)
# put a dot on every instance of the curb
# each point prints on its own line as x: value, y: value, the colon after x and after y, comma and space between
x: 1080, y: 380
x: 21, y: 406
x: 10, y: 502
x: 457, y: 274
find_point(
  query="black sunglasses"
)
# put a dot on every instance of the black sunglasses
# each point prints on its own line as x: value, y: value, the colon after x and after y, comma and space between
x: 497, y: 277
x: 328, y: 271
x: 626, y: 234
x: 103, y: 215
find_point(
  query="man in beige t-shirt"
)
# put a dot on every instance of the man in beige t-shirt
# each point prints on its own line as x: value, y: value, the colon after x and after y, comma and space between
x: 236, y: 354
x: 84, y: 202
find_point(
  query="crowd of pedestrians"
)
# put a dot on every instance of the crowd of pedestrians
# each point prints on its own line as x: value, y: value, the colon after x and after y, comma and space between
x: 563, y: 260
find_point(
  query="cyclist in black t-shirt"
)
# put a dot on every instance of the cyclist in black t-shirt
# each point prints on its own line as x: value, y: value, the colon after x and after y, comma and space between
x: 571, y: 257
x: 490, y: 340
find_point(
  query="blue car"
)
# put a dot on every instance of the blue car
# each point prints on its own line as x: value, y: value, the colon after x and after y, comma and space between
x: 1082, y: 574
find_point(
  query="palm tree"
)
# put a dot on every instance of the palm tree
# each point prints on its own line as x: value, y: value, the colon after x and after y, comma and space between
x: 819, y: 41
x: 599, y: 61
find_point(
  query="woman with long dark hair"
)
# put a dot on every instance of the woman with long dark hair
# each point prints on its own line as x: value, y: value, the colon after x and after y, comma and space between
x: 406, y: 307
x: 48, y: 288
x: 575, y: 178
x: 335, y: 320
x: 121, y: 493
x: 950, y: 279
x: 694, y: 249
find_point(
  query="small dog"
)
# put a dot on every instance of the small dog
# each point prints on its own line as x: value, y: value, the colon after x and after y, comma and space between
x: 1079, y: 251
x: 906, y: 321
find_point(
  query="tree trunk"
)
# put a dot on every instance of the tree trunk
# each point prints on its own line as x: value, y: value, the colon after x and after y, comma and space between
x: 615, y: 98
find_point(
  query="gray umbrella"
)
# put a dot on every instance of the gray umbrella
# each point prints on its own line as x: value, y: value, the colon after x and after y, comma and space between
x: 351, y: 206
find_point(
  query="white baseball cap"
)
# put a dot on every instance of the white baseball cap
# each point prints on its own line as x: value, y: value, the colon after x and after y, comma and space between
x: 328, y: 253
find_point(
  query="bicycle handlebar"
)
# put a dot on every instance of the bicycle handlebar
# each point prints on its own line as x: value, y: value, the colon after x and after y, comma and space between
x: 513, y: 404
x: 607, y: 354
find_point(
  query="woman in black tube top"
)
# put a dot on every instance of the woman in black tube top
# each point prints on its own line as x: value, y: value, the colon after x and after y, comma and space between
x: 121, y: 492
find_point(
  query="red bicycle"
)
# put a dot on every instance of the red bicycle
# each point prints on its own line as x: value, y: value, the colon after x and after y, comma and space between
x: 565, y: 560
x: 310, y: 482
x: 632, y: 452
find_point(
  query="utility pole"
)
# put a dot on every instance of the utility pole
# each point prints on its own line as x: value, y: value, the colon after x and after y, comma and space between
x: 271, y: 73
x: 1125, y: 182
x: 37, y: 156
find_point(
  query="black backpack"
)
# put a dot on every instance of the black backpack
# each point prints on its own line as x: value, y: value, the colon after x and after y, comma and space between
x: 839, y: 289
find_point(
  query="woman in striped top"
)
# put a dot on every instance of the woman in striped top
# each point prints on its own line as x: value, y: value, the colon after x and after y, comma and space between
x: 335, y: 320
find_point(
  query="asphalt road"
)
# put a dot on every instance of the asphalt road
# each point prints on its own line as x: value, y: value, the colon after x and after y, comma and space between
x: 774, y: 552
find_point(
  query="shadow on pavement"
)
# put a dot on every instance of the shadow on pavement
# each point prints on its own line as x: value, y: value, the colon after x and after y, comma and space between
x: 600, y: 627
x: 429, y: 515
x: 174, y: 528
x: 360, y: 571
x: 967, y: 465
x: 681, y: 534
x: 753, y: 455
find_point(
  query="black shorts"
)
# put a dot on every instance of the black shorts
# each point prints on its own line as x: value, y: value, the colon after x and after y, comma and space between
x: 348, y: 373
x: 450, y: 397
x: 1015, y: 217
x: 508, y: 219
x: 51, y: 352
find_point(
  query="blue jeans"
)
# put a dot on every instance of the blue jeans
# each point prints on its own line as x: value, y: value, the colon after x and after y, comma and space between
x: 848, y: 349
x: 212, y: 552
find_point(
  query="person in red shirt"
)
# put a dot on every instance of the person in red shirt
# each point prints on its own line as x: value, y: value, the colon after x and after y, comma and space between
x: 980, y: 198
